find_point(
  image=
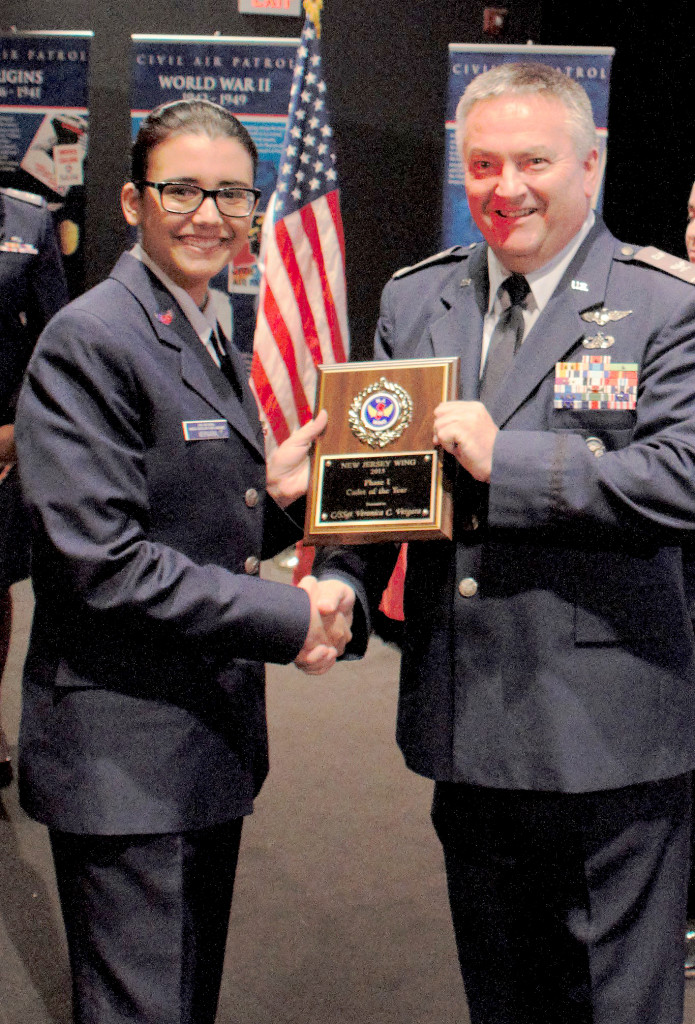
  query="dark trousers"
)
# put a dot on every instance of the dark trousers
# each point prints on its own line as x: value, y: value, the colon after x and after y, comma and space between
x: 146, y: 919
x: 568, y: 909
x: 691, y: 883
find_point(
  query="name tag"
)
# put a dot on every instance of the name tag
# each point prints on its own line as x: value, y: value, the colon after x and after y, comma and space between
x: 204, y: 430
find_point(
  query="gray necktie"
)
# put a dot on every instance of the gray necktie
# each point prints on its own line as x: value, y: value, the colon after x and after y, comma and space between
x: 506, y: 337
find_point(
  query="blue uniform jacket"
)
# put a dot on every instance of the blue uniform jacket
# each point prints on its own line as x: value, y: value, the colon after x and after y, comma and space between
x: 143, y: 701
x: 570, y: 666
x: 32, y: 286
x: 32, y: 289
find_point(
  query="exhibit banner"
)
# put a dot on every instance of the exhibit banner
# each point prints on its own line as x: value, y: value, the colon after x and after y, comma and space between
x: 44, y: 129
x: 590, y: 66
x: 252, y: 78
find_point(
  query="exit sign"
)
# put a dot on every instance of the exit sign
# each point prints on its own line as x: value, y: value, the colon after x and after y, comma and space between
x: 289, y: 8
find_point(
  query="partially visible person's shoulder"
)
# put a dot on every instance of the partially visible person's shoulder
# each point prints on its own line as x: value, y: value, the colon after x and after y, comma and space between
x: 24, y: 217
x: 19, y: 196
x: 441, y: 261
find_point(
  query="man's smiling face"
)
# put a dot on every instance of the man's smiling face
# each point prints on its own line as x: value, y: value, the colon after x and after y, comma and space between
x: 528, y: 189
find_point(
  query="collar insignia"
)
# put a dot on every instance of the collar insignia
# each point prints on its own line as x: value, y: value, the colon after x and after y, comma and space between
x: 166, y: 318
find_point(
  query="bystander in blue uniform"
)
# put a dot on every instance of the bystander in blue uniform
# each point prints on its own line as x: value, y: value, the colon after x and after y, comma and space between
x: 32, y: 289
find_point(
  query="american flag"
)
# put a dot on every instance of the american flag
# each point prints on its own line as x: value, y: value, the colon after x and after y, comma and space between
x: 302, y: 314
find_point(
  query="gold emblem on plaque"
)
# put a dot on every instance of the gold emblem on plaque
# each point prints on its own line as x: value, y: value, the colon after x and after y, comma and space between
x: 380, y: 413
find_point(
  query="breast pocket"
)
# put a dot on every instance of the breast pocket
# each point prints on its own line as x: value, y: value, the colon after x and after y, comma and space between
x: 596, y: 391
x: 613, y: 430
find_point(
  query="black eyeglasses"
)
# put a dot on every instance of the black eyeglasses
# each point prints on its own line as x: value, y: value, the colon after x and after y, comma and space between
x: 180, y: 197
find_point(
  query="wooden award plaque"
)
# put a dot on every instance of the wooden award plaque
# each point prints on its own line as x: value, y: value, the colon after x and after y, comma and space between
x: 375, y: 475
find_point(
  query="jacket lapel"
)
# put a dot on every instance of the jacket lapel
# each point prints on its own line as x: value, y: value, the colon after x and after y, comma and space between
x: 559, y: 328
x: 458, y: 332
x: 198, y: 371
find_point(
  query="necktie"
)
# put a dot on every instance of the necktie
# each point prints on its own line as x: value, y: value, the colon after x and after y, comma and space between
x: 506, y: 337
x: 226, y: 364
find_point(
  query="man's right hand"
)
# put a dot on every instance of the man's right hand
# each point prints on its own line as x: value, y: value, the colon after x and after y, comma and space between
x: 330, y: 631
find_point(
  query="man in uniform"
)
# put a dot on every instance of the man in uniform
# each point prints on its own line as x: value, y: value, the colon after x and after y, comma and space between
x: 32, y: 290
x: 690, y: 929
x: 690, y: 227
x: 548, y: 669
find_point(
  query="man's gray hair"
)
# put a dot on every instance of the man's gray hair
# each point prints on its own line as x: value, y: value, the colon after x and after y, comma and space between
x: 537, y: 79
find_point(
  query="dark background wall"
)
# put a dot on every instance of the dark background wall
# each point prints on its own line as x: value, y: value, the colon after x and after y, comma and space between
x: 651, y: 152
x: 386, y: 67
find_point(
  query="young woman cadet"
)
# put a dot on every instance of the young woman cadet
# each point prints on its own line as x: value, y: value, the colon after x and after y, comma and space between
x: 143, y: 736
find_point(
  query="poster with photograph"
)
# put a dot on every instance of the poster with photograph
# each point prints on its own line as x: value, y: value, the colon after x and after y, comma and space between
x: 252, y: 78
x: 589, y: 66
x: 44, y: 129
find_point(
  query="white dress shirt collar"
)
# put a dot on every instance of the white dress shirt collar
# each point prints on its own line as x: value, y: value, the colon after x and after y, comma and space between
x: 544, y: 281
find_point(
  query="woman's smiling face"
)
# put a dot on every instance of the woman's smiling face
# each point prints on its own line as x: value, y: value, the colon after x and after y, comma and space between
x: 191, y: 248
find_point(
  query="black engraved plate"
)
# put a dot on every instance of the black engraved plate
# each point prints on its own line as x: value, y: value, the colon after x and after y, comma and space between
x: 376, y: 489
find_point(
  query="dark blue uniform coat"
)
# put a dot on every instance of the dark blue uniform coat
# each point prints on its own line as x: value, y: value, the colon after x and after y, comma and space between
x: 32, y: 286
x: 570, y: 668
x: 143, y: 703
x: 32, y: 289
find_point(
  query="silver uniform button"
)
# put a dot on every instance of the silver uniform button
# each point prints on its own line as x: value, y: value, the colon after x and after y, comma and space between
x: 251, y: 497
x: 252, y: 565
x: 468, y: 587
x: 596, y: 446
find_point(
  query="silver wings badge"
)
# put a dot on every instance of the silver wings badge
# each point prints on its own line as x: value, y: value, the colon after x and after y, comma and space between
x: 604, y: 316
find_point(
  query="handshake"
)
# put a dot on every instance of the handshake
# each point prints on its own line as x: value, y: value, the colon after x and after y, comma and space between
x: 332, y: 602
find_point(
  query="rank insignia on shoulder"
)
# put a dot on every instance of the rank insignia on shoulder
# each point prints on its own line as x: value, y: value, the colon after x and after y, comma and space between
x: 596, y: 383
x: 24, y: 197
x: 455, y: 252
x: 672, y: 265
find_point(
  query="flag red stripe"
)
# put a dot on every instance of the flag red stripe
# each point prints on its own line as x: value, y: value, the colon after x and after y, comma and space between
x: 333, y: 200
x: 288, y: 256
x: 268, y: 401
x: 283, y: 340
x: 310, y: 227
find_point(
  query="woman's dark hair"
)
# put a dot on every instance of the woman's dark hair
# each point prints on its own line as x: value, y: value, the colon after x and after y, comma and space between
x: 186, y: 117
